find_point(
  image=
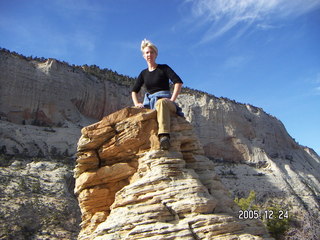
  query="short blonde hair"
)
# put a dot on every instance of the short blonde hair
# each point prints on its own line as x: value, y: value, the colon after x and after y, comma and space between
x: 146, y: 43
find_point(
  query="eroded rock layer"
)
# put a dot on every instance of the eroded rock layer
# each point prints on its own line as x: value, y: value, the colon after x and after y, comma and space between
x: 128, y: 189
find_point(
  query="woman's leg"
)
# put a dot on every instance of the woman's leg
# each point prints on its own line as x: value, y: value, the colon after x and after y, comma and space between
x: 164, y: 108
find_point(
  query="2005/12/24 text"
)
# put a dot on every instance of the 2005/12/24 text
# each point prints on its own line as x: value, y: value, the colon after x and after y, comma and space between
x: 265, y: 214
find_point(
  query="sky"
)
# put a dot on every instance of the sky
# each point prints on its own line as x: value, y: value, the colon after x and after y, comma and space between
x: 260, y: 52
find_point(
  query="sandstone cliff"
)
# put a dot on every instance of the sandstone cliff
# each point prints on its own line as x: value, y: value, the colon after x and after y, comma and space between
x: 57, y: 100
x: 128, y: 189
x: 44, y: 104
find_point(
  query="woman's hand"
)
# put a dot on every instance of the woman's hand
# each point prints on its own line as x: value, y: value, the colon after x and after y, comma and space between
x: 176, y: 91
x: 139, y: 105
x: 136, y: 101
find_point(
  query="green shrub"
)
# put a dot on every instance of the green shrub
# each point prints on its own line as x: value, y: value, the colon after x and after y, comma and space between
x: 247, y: 203
x: 279, y: 223
x: 276, y: 220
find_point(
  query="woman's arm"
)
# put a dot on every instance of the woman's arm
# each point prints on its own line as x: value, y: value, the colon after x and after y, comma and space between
x: 176, y: 91
x: 135, y: 100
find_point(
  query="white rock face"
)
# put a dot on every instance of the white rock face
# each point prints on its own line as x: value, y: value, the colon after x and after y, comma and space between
x: 28, y: 140
x: 236, y: 132
x: 51, y: 93
x: 57, y: 99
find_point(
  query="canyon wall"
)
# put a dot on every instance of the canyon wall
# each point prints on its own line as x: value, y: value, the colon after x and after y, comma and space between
x: 43, y: 105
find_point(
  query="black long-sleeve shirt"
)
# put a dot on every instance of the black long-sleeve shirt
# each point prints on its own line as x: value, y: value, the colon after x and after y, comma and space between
x: 157, y: 80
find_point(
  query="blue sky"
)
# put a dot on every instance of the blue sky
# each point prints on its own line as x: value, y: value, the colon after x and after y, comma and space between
x: 262, y: 52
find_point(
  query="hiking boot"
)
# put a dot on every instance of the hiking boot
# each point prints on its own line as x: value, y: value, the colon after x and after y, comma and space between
x: 164, y: 142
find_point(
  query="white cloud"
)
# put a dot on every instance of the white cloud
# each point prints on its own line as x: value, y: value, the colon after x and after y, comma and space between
x: 235, y: 62
x: 79, y: 7
x: 313, y: 83
x: 316, y: 91
x: 266, y: 26
x: 317, y: 78
x: 224, y: 15
x: 317, y: 81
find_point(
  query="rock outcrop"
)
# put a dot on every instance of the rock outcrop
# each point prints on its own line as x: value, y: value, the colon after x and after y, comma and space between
x: 128, y: 189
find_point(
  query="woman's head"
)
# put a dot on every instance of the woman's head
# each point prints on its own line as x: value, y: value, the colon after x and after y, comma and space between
x: 146, y: 43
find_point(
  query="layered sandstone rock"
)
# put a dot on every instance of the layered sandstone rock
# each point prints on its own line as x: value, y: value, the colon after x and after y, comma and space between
x: 128, y: 189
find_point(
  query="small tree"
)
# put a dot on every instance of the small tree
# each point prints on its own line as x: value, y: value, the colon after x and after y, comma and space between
x: 247, y: 203
x: 277, y: 225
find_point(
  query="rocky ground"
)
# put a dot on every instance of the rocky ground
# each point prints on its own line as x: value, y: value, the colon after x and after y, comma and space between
x: 37, y: 200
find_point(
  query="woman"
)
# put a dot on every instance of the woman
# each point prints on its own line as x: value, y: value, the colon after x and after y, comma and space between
x: 156, y: 80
